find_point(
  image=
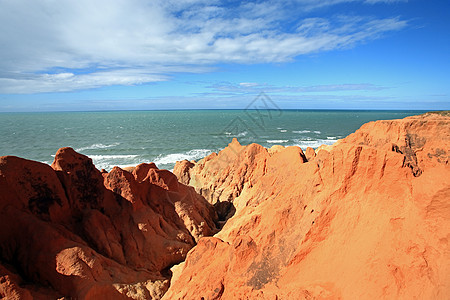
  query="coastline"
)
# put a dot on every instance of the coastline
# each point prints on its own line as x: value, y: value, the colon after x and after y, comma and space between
x: 247, y: 221
x: 128, y: 138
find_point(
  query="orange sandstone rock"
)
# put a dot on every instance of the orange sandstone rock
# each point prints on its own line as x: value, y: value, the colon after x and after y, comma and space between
x: 368, y: 219
x: 70, y: 230
x: 365, y: 218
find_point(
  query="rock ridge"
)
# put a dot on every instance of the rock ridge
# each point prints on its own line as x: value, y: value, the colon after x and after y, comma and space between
x: 69, y: 230
x: 365, y: 218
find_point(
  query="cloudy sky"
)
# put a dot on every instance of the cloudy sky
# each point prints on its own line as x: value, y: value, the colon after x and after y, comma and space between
x: 183, y: 54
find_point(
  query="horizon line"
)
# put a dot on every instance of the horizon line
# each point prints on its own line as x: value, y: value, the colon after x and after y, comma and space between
x: 221, y: 109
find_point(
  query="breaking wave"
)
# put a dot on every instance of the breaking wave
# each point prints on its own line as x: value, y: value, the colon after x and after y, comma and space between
x: 277, y: 141
x: 171, y: 159
x: 313, y: 143
x: 97, y: 146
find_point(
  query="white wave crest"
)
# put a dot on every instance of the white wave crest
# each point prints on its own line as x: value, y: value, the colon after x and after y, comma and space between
x: 301, y: 131
x: 240, y: 134
x: 96, y: 146
x: 277, y: 141
x: 172, y: 158
x: 313, y: 143
x: 107, y: 162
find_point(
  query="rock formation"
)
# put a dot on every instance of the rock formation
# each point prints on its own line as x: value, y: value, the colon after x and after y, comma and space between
x: 367, y: 218
x: 71, y: 231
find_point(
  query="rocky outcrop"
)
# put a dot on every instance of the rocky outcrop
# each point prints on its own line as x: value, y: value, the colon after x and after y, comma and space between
x: 365, y: 218
x: 222, y: 177
x: 368, y: 218
x: 68, y: 230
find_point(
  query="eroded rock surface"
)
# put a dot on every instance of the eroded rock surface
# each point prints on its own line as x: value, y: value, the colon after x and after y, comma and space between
x: 365, y: 218
x: 71, y: 231
x: 368, y: 218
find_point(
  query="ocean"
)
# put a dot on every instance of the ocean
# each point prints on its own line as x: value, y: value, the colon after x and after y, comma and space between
x: 127, y: 138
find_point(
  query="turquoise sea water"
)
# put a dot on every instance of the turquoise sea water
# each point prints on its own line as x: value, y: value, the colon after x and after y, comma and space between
x: 126, y: 138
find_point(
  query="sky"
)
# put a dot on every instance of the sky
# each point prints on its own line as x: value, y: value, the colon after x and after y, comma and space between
x: 83, y: 55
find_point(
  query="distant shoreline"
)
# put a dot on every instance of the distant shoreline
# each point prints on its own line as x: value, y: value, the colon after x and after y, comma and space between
x: 126, y: 138
x: 419, y: 111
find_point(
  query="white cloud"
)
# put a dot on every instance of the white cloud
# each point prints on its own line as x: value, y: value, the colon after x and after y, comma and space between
x: 78, y: 44
x: 248, y: 84
x: 64, y: 82
x: 253, y: 88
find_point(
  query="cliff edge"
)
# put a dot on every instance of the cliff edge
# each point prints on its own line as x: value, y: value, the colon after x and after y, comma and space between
x: 367, y: 218
x: 68, y: 230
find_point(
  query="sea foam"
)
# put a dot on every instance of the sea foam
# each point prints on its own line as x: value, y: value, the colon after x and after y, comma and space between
x: 277, y: 141
x: 301, y: 131
x: 172, y: 158
x: 107, y: 162
x: 313, y: 143
x: 96, y: 146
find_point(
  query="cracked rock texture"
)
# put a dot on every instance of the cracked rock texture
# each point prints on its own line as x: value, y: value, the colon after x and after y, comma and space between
x: 366, y: 218
x: 68, y: 230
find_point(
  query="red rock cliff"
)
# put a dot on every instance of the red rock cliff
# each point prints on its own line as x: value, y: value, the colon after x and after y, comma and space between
x: 368, y: 218
x: 69, y: 230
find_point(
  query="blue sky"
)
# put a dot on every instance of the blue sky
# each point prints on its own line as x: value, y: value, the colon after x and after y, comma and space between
x: 189, y: 54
